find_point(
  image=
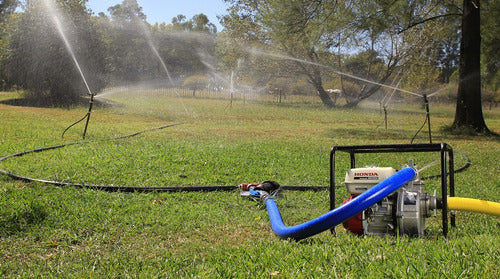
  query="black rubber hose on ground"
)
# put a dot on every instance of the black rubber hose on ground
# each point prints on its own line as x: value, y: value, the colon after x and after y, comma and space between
x: 465, y: 166
x: 146, y: 189
x: 129, y: 189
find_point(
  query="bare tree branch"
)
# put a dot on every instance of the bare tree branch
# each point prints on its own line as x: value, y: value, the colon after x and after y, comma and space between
x: 428, y: 19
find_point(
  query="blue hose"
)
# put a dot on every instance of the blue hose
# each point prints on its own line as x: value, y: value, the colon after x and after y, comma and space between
x: 341, y: 213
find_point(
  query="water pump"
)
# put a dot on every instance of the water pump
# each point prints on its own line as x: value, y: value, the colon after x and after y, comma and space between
x: 383, y: 201
x: 403, y: 211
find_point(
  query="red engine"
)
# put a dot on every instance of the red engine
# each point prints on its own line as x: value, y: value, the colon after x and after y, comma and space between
x: 355, y: 224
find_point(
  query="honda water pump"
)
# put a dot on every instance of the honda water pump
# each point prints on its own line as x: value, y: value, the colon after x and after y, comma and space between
x: 403, y: 211
x: 382, y: 201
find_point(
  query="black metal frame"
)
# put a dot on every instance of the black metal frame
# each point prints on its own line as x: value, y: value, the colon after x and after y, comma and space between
x: 444, y: 149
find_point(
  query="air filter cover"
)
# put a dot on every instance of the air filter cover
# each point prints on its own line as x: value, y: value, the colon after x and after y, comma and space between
x: 361, y: 179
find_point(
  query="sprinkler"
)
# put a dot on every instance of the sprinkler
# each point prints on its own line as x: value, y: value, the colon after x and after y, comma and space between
x: 91, y: 103
x: 382, y: 201
x: 56, y: 16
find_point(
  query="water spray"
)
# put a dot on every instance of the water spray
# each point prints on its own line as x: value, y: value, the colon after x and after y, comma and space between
x: 155, y: 51
x: 394, y: 88
x: 385, y: 101
x: 55, y: 15
x: 286, y: 57
x: 149, y: 40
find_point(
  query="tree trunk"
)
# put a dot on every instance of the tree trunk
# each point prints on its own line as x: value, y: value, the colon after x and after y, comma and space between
x: 323, y: 95
x: 314, y: 77
x: 316, y: 81
x: 469, y: 114
x: 352, y: 101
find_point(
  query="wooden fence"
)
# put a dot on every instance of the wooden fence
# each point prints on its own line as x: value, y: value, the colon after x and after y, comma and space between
x: 241, y: 95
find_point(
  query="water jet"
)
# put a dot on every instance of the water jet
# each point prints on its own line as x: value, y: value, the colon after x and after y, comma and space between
x: 56, y: 15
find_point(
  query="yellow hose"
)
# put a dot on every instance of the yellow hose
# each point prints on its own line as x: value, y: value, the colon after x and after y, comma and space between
x: 488, y: 207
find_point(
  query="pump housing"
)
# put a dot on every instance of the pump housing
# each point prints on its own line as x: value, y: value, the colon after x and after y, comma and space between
x: 403, y: 211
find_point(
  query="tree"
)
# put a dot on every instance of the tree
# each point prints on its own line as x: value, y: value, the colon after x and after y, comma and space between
x: 138, y: 51
x: 281, y: 27
x: 38, y: 59
x: 187, y: 44
x: 320, y: 37
x: 446, y: 55
x: 7, y: 7
x: 201, y: 23
x: 490, y: 48
x: 130, y: 58
x: 196, y: 82
x: 469, y: 112
x: 128, y: 11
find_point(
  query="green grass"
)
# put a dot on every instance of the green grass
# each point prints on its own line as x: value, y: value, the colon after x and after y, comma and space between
x: 48, y: 231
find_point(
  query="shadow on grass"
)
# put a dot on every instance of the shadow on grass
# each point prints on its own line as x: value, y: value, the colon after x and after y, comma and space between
x: 20, y: 217
x: 50, y: 103
x: 371, y: 134
x: 468, y: 133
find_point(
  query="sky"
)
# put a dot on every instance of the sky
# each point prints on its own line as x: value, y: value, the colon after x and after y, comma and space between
x: 164, y: 10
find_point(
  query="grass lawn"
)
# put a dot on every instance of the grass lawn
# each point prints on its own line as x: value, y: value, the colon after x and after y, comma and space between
x: 66, y: 232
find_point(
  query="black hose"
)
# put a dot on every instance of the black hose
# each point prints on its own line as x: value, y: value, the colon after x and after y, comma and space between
x: 146, y: 189
x: 461, y: 169
x: 420, y: 129
x: 427, y: 120
x: 129, y: 189
x: 87, y: 116
x: 65, y: 130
